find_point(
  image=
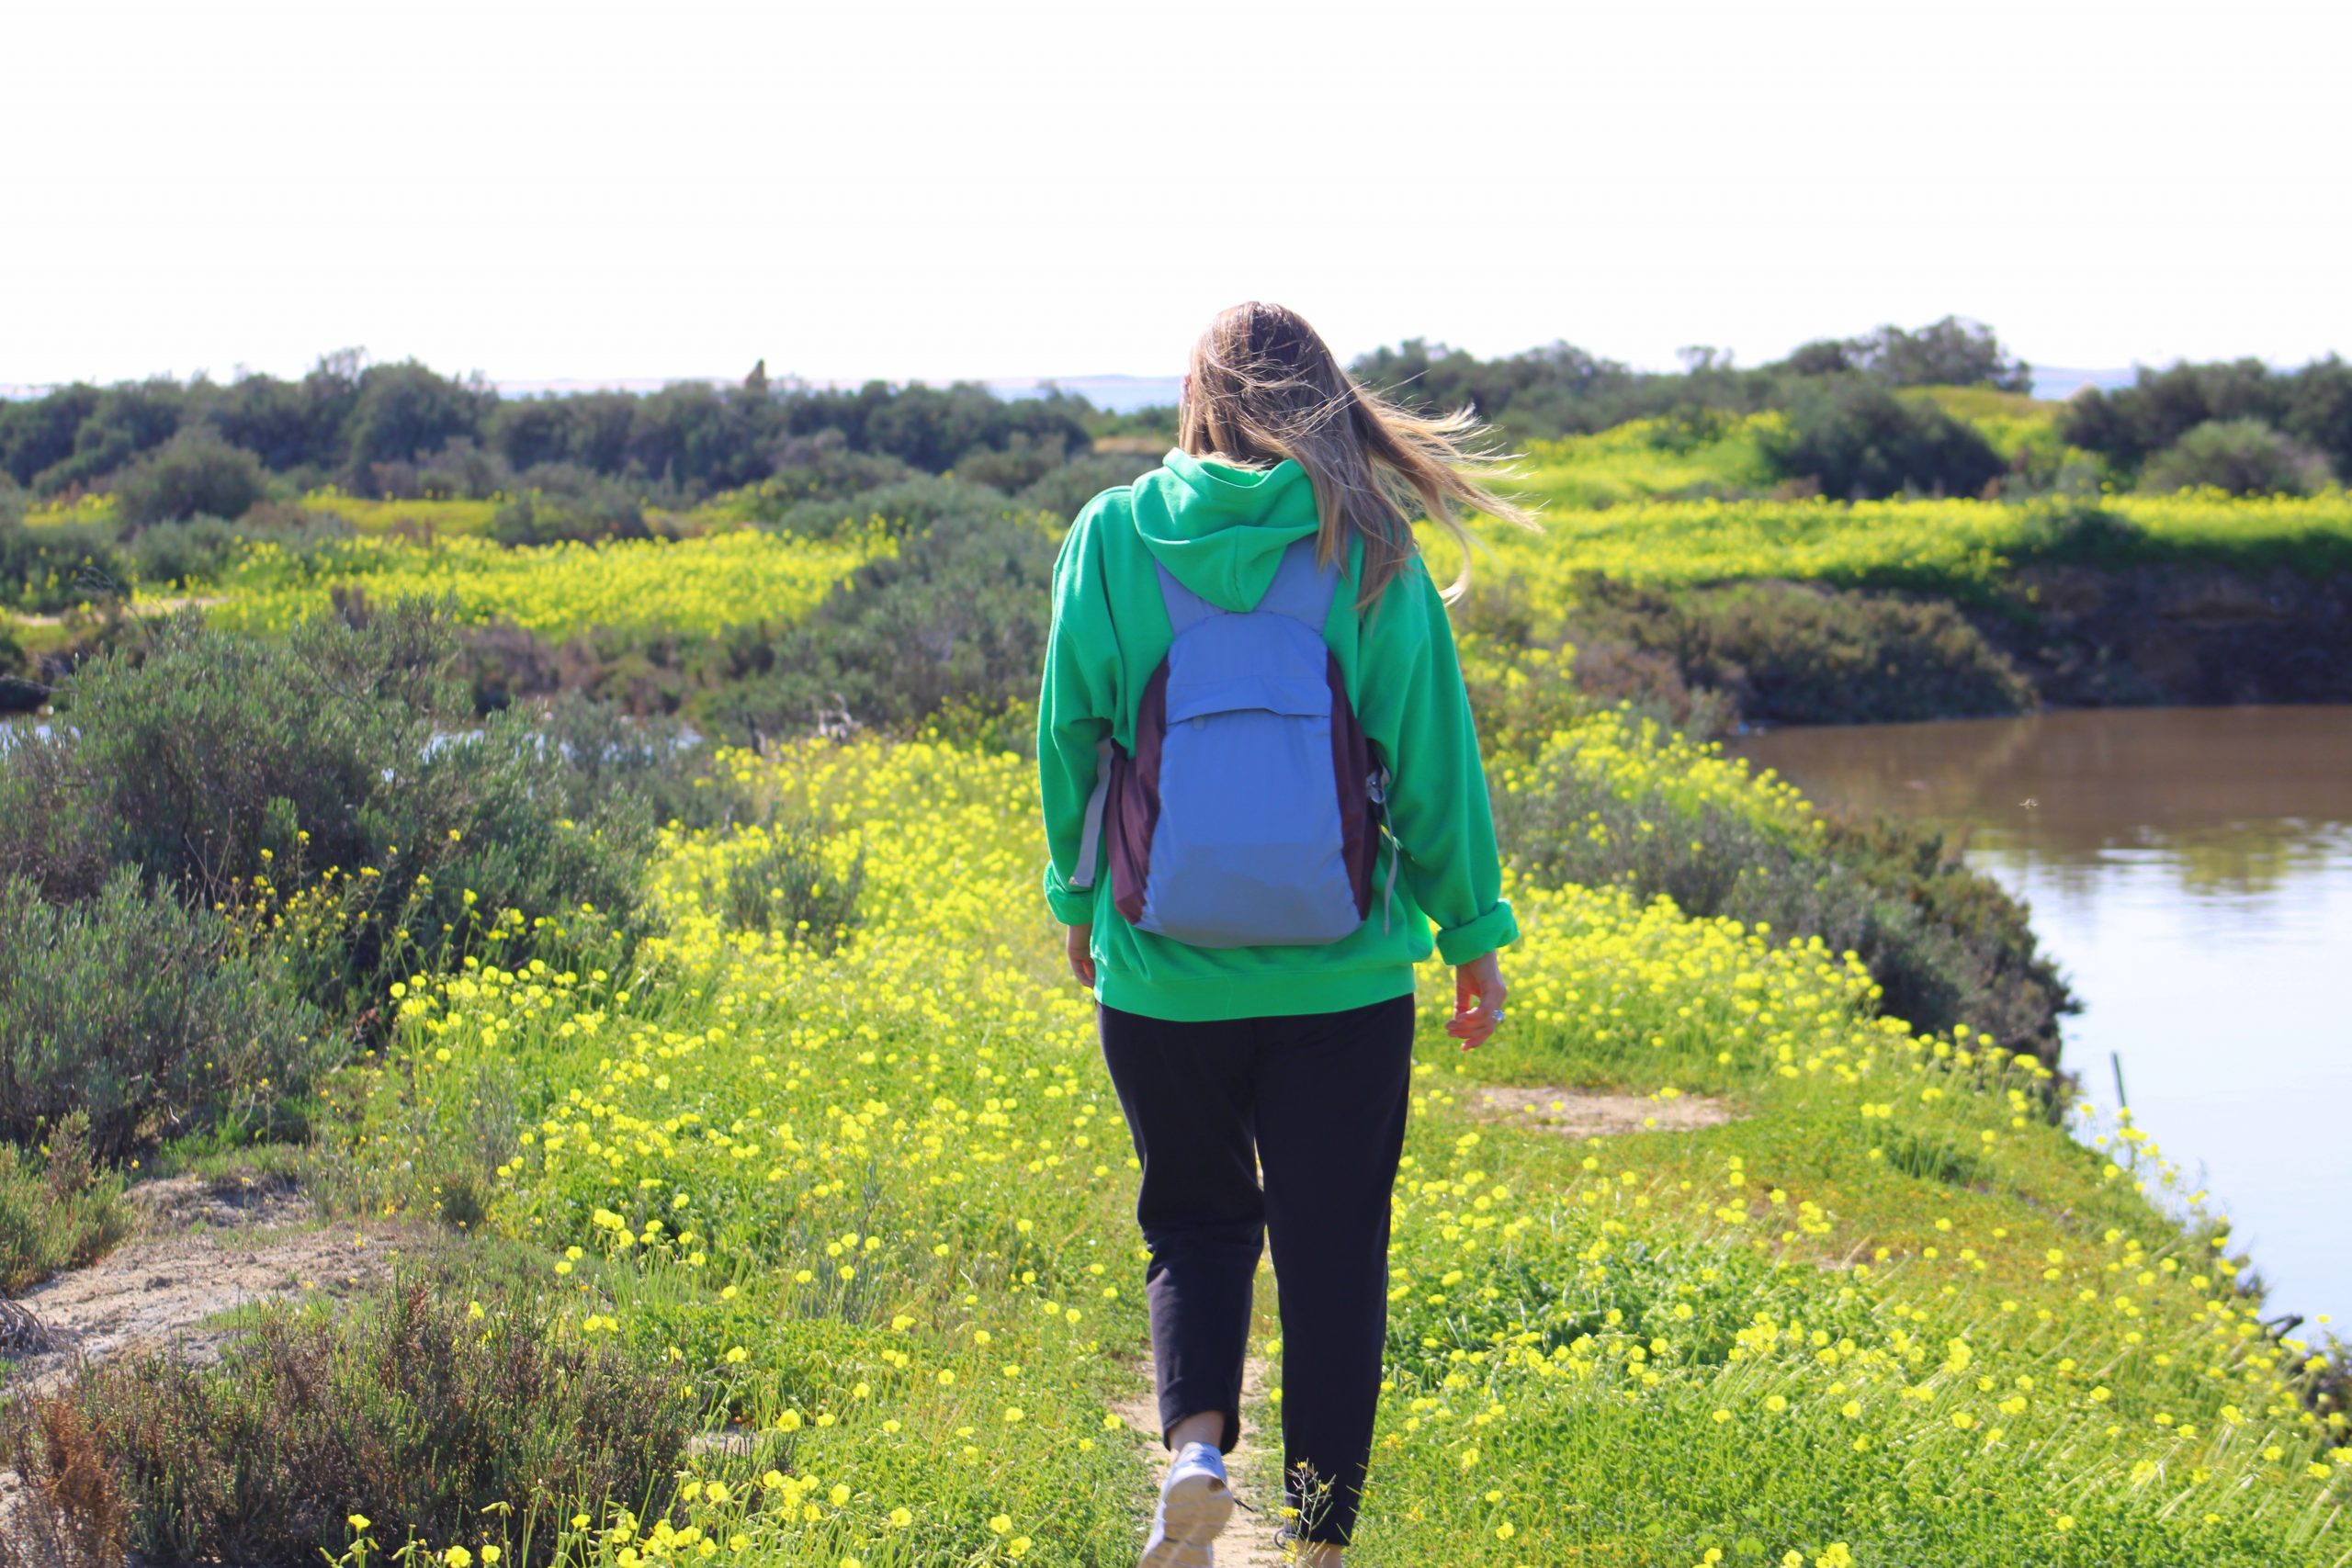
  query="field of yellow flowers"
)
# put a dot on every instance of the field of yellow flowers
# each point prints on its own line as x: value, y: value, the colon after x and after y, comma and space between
x: 869, y: 1185
x: 685, y: 587
x: 1960, y: 548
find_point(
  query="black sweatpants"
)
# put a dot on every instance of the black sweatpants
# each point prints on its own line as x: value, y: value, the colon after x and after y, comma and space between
x: 1320, y: 1098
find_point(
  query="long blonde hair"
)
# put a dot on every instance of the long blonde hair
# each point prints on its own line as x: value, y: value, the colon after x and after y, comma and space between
x: 1265, y: 387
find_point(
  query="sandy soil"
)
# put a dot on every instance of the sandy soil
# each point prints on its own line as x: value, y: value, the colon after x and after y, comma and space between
x: 201, y: 1248
x: 163, y: 604
x: 1585, y: 1113
x: 1249, y: 1540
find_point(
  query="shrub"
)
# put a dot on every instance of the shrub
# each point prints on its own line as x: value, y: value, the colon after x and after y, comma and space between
x: 957, y: 616
x: 315, y: 776
x: 1945, y: 944
x: 45, y: 569
x: 656, y: 760
x: 2244, y: 456
x: 787, y: 887
x: 1798, y: 654
x: 1949, y: 353
x: 143, y: 1013
x: 21, y: 690
x: 408, y: 1411
x: 601, y: 512
x: 195, y: 474
x: 2312, y: 406
x: 185, y: 553
x: 822, y: 467
x: 52, y: 829
x: 1014, y: 466
x: 69, y: 1513
x: 61, y: 1213
x: 1857, y: 440
x: 1065, y: 491
x: 911, y: 507
x: 190, y: 746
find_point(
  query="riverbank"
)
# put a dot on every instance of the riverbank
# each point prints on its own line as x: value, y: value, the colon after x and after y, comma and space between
x: 2046, y: 636
x: 2190, y: 870
x: 1808, y: 612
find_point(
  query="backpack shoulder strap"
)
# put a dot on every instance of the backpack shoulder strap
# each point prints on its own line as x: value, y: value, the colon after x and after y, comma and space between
x: 1301, y: 588
x: 1186, y: 609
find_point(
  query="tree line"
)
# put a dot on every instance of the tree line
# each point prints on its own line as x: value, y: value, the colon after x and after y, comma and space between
x: 398, y: 428
x: 171, y: 449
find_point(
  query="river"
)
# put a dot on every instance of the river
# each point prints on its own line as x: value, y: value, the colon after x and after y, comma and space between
x: 2190, y: 871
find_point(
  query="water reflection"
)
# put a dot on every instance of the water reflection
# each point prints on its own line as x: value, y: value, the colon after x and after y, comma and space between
x: 2191, y: 870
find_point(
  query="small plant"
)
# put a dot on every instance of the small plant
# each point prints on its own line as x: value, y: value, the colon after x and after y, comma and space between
x: 69, y: 1515
x: 787, y: 887
x: 433, y: 1417
x: 61, y: 1214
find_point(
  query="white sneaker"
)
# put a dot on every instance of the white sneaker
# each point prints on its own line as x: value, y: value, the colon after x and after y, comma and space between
x: 1194, y: 1503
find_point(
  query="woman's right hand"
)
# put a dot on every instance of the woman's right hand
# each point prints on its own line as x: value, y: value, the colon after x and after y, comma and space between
x: 1477, y: 1001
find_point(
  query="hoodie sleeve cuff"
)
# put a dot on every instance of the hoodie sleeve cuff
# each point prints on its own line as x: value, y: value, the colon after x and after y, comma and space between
x: 1474, y: 939
x: 1071, y: 909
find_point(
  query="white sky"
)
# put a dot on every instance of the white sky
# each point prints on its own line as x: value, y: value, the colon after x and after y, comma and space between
x: 896, y: 188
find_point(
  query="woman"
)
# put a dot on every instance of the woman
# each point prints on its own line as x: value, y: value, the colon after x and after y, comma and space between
x: 1292, y: 1051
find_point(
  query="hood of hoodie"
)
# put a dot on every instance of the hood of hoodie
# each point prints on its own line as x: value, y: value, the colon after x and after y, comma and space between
x: 1220, y: 530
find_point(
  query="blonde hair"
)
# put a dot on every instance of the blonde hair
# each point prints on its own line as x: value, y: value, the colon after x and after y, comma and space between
x: 1266, y: 386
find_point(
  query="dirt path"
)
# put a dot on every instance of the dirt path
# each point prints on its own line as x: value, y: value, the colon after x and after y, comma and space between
x: 162, y: 604
x: 201, y: 1248
x: 1255, y: 1466
x: 1249, y: 1540
x: 1588, y: 1113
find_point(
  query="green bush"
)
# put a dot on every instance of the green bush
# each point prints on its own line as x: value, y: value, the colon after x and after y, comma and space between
x: 2313, y: 406
x: 592, y: 512
x: 1021, y: 463
x: 196, y: 474
x: 955, y: 618
x: 910, y: 508
x: 1064, y: 490
x: 21, y: 688
x: 611, y: 756
x: 2244, y: 456
x: 325, y: 774
x: 58, y: 566
x: 1945, y: 944
x: 788, y: 888
x: 60, y: 1213
x: 146, y: 1015
x: 820, y: 467
x: 1790, y: 653
x: 1857, y: 440
x: 185, y: 553
x: 408, y: 1410
x: 187, y: 746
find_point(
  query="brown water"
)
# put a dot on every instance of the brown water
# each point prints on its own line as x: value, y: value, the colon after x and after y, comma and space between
x: 2190, y: 871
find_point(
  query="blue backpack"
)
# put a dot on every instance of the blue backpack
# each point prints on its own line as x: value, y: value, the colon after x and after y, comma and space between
x: 1249, y: 811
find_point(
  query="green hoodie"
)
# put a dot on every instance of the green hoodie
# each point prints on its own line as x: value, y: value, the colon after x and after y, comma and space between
x: 1221, y: 530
